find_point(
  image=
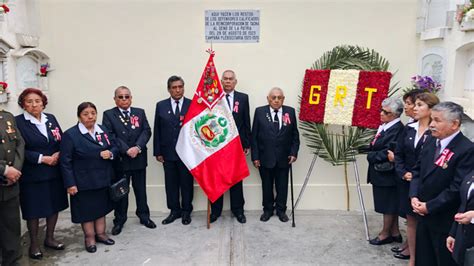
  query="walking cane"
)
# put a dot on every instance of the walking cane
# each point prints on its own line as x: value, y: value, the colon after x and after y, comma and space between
x: 292, y: 198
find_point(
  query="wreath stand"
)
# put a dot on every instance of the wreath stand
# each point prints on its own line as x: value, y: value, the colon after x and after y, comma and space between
x: 359, y: 191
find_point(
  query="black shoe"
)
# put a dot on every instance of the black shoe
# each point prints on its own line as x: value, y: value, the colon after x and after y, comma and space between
x: 401, y: 256
x: 117, y: 229
x: 58, y: 246
x: 108, y: 241
x: 91, y: 248
x: 171, y: 218
x: 213, y: 218
x: 37, y: 255
x: 283, y: 217
x: 377, y: 241
x: 397, y: 239
x: 186, y: 219
x: 397, y: 249
x: 266, y: 216
x: 149, y: 224
x: 241, y: 218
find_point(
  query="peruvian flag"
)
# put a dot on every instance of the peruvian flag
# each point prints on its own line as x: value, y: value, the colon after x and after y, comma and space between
x: 209, y: 143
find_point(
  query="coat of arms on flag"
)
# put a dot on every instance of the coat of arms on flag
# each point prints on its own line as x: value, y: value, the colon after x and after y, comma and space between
x: 209, y: 143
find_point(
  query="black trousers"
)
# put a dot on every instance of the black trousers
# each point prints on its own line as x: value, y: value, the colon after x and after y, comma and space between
x: 279, y: 177
x: 10, y: 231
x: 138, y: 178
x: 236, y: 201
x: 431, y: 246
x: 178, y: 180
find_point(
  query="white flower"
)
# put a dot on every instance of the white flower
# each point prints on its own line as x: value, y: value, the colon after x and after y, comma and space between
x: 469, y: 16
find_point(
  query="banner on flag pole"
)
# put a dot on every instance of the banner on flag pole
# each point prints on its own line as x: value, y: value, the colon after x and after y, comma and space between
x: 209, y: 143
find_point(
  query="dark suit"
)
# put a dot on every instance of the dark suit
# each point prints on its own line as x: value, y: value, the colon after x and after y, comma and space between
x: 241, y: 116
x: 439, y: 187
x: 177, y: 176
x: 272, y: 148
x: 406, y: 155
x: 385, y: 193
x: 463, y: 233
x: 83, y: 167
x: 126, y: 137
x: 11, y: 154
x: 42, y: 192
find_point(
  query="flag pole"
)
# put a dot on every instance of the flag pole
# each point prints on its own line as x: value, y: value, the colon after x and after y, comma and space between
x: 208, y: 214
x: 292, y: 198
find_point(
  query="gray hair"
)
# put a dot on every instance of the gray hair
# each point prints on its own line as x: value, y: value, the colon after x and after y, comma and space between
x: 452, y: 111
x: 275, y: 89
x: 230, y: 71
x: 395, y: 105
x: 121, y: 88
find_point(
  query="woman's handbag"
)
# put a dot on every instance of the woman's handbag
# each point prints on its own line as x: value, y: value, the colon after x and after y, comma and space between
x: 119, y: 189
x: 384, y: 167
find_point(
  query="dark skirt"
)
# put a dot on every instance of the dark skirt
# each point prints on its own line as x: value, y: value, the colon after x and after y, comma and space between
x: 405, y: 202
x: 386, y: 199
x: 89, y: 205
x: 42, y: 199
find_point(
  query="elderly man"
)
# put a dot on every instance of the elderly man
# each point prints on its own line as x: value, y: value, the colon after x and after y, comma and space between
x: 132, y: 132
x: 445, y: 160
x: 238, y: 103
x: 275, y: 144
x: 11, y: 160
x: 169, y: 117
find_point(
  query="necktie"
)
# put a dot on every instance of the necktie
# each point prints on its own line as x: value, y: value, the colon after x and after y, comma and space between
x: 125, y: 114
x: 276, y: 122
x: 228, y: 102
x: 375, y: 139
x: 176, y: 110
x: 437, y: 150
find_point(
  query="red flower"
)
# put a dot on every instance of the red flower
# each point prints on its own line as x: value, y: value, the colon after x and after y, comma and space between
x: 4, y: 85
x: 5, y: 8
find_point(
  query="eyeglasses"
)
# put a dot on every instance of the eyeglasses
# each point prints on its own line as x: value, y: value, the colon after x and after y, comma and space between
x: 123, y: 97
x: 277, y: 97
x: 385, y: 112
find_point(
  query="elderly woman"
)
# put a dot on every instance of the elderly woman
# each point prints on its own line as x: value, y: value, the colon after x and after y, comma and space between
x: 461, y: 236
x: 408, y: 149
x: 381, y: 173
x: 42, y: 193
x: 86, y: 163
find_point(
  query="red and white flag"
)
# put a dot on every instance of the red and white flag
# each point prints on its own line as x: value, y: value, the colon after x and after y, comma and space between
x: 209, y: 143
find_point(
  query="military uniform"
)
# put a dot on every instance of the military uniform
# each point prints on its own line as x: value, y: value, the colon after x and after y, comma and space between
x: 11, y: 154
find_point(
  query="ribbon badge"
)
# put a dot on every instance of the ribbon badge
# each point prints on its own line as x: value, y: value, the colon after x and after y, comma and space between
x: 444, y: 158
x: 236, y: 107
x: 134, y: 121
x: 107, y: 139
x: 56, y: 134
x: 99, y: 139
x: 286, y: 119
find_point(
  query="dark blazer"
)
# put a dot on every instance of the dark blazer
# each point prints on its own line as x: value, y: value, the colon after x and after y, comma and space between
x: 127, y: 137
x: 242, y: 117
x: 166, y: 129
x: 37, y: 144
x: 12, y: 149
x: 463, y: 233
x: 81, y: 164
x: 439, y: 187
x: 406, y: 154
x: 378, y: 154
x: 272, y: 148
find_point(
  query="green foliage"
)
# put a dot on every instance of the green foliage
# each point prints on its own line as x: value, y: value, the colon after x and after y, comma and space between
x: 340, y: 144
